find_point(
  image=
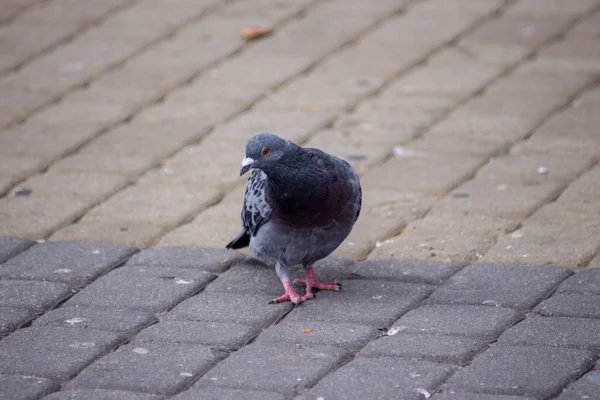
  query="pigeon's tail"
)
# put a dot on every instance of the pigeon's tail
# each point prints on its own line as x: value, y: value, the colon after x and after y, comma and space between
x: 240, y: 241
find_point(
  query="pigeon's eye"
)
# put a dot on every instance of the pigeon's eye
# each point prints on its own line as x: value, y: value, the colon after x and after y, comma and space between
x: 265, y: 151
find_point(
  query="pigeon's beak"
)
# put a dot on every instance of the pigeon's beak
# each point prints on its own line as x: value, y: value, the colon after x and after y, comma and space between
x: 246, y: 165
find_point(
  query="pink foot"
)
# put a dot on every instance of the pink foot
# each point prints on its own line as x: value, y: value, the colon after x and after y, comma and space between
x: 290, y: 295
x: 311, y: 282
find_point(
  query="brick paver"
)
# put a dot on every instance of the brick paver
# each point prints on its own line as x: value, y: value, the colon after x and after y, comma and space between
x: 473, y: 125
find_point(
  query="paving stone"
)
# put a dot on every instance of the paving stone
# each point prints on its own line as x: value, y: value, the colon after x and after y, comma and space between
x: 227, y: 394
x: 10, y: 246
x: 527, y: 79
x: 383, y: 378
x: 486, y: 147
x: 125, y: 321
x: 414, y: 271
x: 154, y: 368
x: 70, y: 350
x: 569, y: 123
x: 154, y: 289
x: 100, y: 394
x: 535, y: 106
x: 36, y: 218
x: 539, y: 372
x: 6, y: 183
x: 570, y: 305
x: 475, y: 396
x: 555, y: 7
x: 469, y: 225
x: 396, y: 204
x: 12, y: 318
x: 458, y: 249
x: 485, y: 323
x: 252, y: 310
x: 504, y: 198
x: 371, y: 303
x: 570, y: 146
x: 439, y: 349
x: 507, y: 127
x: 73, y: 263
x: 284, y: 368
x: 212, y: 334
x: 556, y: 332
x: 137, y: 234
x: 211, y: 234
x: 583, y: 282
x: 500, y: 285
x: 19, y: 387
x: 32, y: 295
x: 585, y: 387
x: 107, y: 162
x: 92, y: 186
x: 211, y: 260
x: 347, y: 336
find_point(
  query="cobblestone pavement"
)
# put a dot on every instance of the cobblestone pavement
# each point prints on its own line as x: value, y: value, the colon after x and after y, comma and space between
x: 194, y: 323
x: 474, y: 123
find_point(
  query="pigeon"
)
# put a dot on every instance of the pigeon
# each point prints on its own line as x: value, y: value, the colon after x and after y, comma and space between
x: 300, y: 205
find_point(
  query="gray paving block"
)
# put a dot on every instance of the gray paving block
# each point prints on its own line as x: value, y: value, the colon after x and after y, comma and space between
x: 227, y: 394
x: 374, y: 303
x: 586, y: 387
x: 464, y: 320
x: 476, y: 396
x: 154, y: 289
x: 212, y: 334
x: 73, y: 263
x: 500, y: 285
x: 580, y: 333
x: 586, y: 281
x: 17, y: 387
x: 158, y: 368
x: 211, y: 260
x: 69, y: 350
x: 416, y: 271
x: 332, y: 268
x: 33, y: 295
x: 12, y: 318
x: 570, y: 305
x: 10, y: 246
x: 348, y: 336
x: 382, y: 378
x: 128, y: 322
x: 536, y: 371
x: 249, y: 277
x: 442, y: 349
x: 253, y: 310
x: 100, y: 394
x: 278, y: 367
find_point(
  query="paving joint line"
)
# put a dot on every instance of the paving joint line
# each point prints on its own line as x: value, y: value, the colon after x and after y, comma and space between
x: 20, y: 11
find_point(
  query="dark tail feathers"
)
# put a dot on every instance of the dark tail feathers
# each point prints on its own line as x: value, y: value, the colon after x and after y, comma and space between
x: 240, y: 241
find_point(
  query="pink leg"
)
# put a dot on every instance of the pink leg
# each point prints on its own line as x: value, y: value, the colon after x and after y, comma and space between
x: 311, y: 282
x: 289, y: 295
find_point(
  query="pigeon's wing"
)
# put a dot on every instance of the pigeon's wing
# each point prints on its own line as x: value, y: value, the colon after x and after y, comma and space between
x: 255, y: 212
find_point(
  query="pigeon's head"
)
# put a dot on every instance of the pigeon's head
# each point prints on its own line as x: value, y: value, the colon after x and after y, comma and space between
x: 265, y: 152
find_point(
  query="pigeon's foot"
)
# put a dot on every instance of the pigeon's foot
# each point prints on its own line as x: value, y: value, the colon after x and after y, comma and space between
x: 290, y: 295
x: 311, y: 282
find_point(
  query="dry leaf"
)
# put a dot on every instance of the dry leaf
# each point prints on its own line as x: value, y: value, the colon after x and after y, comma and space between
x: 306, y: 330
x: 255, y: 33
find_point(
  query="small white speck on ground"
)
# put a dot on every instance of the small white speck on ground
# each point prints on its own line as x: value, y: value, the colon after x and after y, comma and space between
x: 140, y: 350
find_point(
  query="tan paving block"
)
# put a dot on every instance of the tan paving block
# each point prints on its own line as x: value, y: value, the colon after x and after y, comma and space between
x: 459, y: 80
x: 36, y: 218
x: 6, y: 182
x: 222, y: 154
x: 201, y: 114
x: 136, y: 234
x: 196, y: 175
x: 153, y: 141
x: 531, y: 105
x: 434, y: 174
x: 469, y: 225
x: 568, y: 246
x: 164, y: 205
x: 69, y: 11
x: 19, y: 37
x: 588, y: 28
x: 508, y: 199
x: 587, y: 186
x: 461, y: 249
x: 595, y: 263
x: 550, y: 7
x: 397, y: 204
x: 535, y: 168
x: 32, y: 77
x: 570, y: 123
x: 87, y: 186
x: 458, y: 145
x: 18, y: 168
x: 262, y: 9
x: 511, y: 127
x: 388, y: 99
x: 480, y: 53
x: 368, y: 230
x: 523, y: 30
x: 409, y: 117
x: 236, y: 195
x: 295, y: 126
x: 360, y: 8
x: 45, y: 141
x: 327, y: 104
x: 526, y: 79
x: 205, y: 89
x: 104, y: 162
x: 143, y: 77
x: 444, y: 7
x: 558, y: 216
x: 573, y: 146
x: 83, y: 113
x: 134, y: 97
x: 202, y: 234
x: 575, y: 55
x: 15, y: 105
x: 375, y: 130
